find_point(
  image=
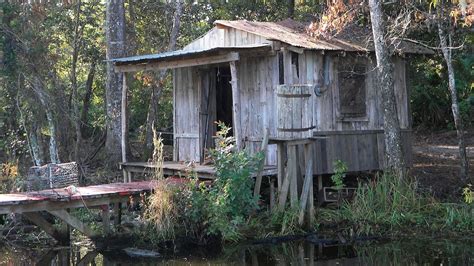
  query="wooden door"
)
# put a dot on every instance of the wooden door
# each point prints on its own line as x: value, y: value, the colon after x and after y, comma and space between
x: 207, y: 113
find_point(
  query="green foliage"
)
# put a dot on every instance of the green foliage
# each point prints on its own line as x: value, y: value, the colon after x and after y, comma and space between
x: 340, y: 170
x: 231, y: 196
x: 430, y: 97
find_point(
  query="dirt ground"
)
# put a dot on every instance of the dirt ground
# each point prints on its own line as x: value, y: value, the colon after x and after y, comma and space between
x: 436, y: 162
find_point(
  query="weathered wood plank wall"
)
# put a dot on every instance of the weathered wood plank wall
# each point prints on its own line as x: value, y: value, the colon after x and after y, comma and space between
x: 186, y: 113
x: 358, y: 141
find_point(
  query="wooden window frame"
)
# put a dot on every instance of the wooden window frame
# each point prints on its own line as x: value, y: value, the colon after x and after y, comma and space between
x: 353, y: 61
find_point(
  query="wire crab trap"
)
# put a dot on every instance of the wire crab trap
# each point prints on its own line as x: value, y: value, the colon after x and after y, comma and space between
x: 52, y: 176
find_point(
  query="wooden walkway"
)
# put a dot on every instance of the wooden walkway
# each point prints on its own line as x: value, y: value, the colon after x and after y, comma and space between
x: 58, y: 201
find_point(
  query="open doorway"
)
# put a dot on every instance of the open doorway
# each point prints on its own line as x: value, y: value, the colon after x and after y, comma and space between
x: 216, y: 105
x: 224, y: 96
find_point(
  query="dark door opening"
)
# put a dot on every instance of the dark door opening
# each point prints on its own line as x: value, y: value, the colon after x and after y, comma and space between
x: 224, y: 96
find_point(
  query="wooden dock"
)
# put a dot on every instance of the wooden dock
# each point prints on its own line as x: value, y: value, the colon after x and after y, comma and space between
x: 58, y: 201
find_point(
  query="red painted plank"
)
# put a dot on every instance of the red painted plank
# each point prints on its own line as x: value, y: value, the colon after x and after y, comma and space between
x: 79, y: 193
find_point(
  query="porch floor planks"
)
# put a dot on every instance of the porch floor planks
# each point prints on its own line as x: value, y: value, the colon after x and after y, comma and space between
x: 182, y: 169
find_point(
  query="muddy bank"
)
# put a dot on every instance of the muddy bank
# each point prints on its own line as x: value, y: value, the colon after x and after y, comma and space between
x: 436, y: 163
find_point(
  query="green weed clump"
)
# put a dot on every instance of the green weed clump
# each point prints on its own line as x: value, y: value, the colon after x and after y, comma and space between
x: 389, y: 206
x: 285, y: 221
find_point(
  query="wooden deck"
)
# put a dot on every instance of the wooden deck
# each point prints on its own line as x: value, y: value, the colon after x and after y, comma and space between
x: 179, y: 169
x: 59, y: 201
x: 63, y: 198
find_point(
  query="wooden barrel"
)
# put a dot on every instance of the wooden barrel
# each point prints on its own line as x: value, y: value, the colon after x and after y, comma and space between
x: 295, y: 111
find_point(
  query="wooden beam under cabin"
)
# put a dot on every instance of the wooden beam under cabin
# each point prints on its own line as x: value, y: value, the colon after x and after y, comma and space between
x: 178, y: 63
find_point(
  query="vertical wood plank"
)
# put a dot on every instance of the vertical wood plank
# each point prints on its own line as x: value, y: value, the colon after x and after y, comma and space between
x: 176, y: 76
x: 258, y: 181
x: 292, y: 165
x: 307, y: 182
x: 280, y: 164
x: 124, y: 117
x: 272, y: 193
x: 284, y: 190
x: 106, y: 219
x: 236, y: 110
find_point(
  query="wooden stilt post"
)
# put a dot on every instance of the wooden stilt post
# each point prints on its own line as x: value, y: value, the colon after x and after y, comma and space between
x: 284, y: 191
x: 236, y: 104
x: 293, y: 175
x: 307, y: 182
x: 106, y: 218
x: 124, y: 122
x: 280, y: 164
x: 263, y: 148
x: 117, y: 214
x: 272, y: 193
x: 311, y: 204
x: 320, y: 190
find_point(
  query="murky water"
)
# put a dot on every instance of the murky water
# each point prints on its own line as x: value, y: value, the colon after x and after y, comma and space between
x: 410, y: 252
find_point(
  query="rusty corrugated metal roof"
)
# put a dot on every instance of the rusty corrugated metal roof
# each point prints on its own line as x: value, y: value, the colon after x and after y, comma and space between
x: 294, y: 33
x: 186, y: 54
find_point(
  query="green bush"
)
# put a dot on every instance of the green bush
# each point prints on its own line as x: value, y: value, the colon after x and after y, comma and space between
x: 231, y: 196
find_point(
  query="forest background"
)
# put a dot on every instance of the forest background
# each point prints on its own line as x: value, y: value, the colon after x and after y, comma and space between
x: 53, y: 74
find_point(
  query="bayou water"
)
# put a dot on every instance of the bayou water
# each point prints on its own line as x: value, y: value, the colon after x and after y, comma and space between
x: 406, y: 252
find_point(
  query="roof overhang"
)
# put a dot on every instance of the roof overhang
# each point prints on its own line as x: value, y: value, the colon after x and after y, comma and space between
x: 187, y: 58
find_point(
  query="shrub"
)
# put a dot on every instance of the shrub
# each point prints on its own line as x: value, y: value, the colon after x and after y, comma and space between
x: 231, y: 197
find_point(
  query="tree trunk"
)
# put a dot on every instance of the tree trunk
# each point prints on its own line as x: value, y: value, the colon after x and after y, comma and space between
x: 291, y: 8
x: 151, y: 118
x: 86, y: 103
x: 35, y: 147
x: 393, y: 144
x: 176, y: 25
x: 115, y: 38
x: 157, y: 90
x: 447, y: 54
x: 74, y: 95
x: 53, y: 147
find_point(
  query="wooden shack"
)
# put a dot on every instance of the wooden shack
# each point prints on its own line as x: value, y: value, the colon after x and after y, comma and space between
x: 259, y: 75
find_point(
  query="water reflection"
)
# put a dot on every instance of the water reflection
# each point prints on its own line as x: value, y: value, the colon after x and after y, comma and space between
x: 430, y: 252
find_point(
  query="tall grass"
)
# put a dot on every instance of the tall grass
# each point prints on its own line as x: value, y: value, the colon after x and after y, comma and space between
x: 163, y: 209
x: 388, y: 205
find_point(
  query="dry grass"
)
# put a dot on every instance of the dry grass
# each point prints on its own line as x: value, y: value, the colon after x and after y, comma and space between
x: 162, y: 211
